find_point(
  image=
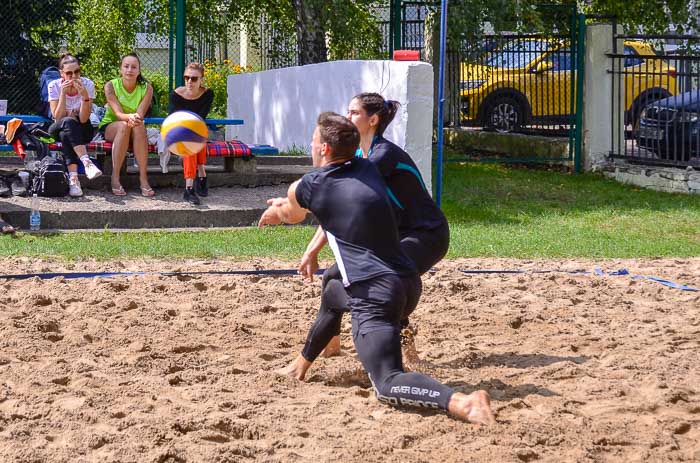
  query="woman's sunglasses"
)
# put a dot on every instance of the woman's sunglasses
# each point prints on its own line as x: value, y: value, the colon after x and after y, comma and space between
x: 192, y: 78
x: 72, y: 73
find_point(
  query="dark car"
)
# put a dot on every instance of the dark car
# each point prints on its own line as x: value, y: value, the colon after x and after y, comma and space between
x: 671, y: 127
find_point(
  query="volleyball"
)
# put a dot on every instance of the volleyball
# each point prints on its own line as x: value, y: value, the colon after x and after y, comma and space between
x: 184, y: 133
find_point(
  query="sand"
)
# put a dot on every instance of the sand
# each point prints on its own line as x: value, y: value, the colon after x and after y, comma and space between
x: 180, y: 369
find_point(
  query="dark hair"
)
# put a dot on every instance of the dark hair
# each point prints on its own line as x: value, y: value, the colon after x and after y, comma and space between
x: 140, y: 78
x: 340, y: 133
x: 66, y: 58
x: 374, y: 103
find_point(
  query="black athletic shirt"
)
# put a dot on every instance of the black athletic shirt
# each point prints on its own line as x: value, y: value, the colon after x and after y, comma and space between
x: 351, y: 204
x: 200, y: 106
x: 415, y: 209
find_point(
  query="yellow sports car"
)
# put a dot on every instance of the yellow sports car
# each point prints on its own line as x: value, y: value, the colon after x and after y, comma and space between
x: 528, y: 82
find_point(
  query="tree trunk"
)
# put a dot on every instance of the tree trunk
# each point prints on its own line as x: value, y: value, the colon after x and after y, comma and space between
x: 450, y: 114
x: 311, y: 37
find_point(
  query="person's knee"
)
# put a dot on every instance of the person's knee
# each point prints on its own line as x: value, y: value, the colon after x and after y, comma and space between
x: 335, y: 297
x: 69, y: 123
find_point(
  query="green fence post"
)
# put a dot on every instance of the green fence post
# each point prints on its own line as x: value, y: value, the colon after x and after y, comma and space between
x: 180, y: 41
x: 580, y: 75
x: 396, y: 22
x: 171, y: 43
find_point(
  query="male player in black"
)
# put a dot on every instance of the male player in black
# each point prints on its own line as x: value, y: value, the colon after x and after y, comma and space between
x: 381, y: 281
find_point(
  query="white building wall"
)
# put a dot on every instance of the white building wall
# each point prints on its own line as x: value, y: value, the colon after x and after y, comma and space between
x: 280, y: 106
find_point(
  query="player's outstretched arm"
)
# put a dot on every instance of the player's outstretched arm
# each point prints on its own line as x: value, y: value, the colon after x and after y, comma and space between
x: 283, y: 210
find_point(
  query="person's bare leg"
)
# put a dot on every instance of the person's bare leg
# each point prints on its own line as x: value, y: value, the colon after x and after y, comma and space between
x: 297, y: 369
x: 411, y: 359
x: 140, y: 146
x: 118, y: 133
x: 332, y: 348
x: 474, y: 408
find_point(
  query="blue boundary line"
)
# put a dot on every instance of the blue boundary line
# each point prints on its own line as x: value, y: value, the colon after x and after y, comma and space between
x: 278, y: 272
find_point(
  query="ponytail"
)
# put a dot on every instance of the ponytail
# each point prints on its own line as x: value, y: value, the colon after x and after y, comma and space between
x: 374, y: 103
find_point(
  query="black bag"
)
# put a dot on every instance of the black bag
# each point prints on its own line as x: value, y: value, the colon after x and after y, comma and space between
x: 50, y: 178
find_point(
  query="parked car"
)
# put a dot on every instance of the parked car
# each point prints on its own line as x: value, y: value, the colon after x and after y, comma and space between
x: 670, y: 127
x: 528, y: 81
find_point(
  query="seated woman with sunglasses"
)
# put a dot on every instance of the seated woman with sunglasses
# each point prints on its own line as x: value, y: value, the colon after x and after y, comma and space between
x: 128, y: 99
x: 70, y: 99
x: 196, y: 98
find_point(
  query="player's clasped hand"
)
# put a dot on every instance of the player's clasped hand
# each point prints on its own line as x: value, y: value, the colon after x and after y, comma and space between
x: 134, y: 120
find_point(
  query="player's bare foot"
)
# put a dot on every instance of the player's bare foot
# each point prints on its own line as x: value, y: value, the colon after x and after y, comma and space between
x: 297, y: 369
x: 332, y: 348
x: 474, y: 408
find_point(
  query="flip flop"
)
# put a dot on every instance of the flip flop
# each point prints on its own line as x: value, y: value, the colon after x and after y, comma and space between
x: 147, y: 192
x: 118, y: 191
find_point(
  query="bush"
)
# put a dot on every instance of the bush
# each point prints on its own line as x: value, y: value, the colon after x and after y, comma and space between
x: 161, y: 92
x: 215, y: 77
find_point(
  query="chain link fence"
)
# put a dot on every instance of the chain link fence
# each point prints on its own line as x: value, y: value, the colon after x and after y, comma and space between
x: 33, y: 36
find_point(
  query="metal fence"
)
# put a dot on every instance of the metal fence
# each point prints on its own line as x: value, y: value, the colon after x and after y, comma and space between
x: 33, y: 35
x: 656, y: 99
x: 515, y: 83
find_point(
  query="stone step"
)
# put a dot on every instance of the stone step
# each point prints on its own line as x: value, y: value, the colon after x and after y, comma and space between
x: 235, y: 200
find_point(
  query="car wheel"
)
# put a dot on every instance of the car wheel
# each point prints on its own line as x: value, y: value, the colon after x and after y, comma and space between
x: 504, y: 115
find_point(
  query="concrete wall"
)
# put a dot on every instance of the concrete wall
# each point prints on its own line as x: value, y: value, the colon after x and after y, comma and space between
x: 280, y: 106
x: 598, y: 138
x: 656, y: 178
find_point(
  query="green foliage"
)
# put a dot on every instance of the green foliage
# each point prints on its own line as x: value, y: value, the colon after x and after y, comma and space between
x: 161, y: 91
x: 649, y: 16
x: 105, y: 30
x: 215, y: 77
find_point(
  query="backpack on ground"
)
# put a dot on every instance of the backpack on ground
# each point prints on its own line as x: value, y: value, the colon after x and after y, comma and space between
x: 50, y: 178
x: 46, y: 76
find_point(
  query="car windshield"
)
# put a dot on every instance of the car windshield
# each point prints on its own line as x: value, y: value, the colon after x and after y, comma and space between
x: 517, y: 54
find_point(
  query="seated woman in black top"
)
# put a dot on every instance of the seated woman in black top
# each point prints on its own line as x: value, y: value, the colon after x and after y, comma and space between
x: 194, y: 97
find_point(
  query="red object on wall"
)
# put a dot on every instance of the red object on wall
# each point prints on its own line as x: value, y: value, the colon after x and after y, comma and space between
x: 406, y: 55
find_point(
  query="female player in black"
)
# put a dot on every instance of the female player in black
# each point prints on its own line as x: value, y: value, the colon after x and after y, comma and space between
x: 423, y: 230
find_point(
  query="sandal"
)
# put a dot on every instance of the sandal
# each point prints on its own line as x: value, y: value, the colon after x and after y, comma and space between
x: 147, y: 192
x: 119, y: 191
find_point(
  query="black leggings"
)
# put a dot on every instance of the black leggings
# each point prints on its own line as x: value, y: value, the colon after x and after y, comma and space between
x: 70, y: 132
x: 424, y: 247
x: 376, y: 307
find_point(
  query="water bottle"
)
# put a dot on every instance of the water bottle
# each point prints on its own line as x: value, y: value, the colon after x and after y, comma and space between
x: 35, y: 215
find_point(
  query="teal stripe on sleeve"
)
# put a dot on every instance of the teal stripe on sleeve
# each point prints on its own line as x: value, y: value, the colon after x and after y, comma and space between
x: 409, y: 168
x: 393, y: 198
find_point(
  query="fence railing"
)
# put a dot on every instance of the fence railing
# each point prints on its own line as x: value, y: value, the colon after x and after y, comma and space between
x: 656, y: 100
x: 514, y: 83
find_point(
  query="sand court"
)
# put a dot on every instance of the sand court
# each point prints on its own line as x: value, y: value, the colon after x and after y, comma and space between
x: 159, y: 368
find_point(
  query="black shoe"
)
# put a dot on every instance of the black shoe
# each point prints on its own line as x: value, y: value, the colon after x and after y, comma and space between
x: 191, y: 197
x: 18, y: 188
x: 200, y: 186
x: 5, y: 188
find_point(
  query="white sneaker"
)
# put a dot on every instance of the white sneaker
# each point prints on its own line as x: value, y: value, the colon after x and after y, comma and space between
x: 74, y: 186
x: 91, y: 170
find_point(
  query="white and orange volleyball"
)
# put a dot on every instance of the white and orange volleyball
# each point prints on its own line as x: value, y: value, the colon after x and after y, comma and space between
x: 184, y: 133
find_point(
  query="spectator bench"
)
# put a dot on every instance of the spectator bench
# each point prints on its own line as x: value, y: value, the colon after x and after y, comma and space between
x: 233, y: 151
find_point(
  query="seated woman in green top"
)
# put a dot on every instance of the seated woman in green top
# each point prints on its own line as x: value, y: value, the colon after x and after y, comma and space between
x: 128, y: 99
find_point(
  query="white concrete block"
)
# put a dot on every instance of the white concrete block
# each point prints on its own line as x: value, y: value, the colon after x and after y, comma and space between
x: 280, y: 106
